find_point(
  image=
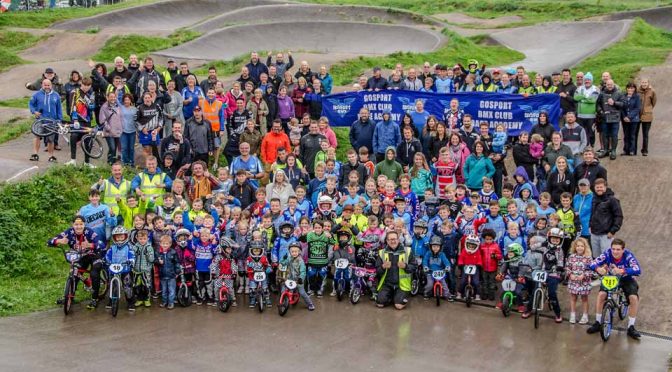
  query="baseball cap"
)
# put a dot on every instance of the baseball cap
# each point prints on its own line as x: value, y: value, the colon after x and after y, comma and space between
x: 49, y: 70
x: 584, y: 182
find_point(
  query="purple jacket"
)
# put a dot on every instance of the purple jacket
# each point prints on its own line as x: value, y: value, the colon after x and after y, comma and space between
x: 285, y: 107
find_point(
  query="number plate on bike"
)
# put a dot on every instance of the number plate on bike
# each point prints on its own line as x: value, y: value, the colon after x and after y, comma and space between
x: 438, y: 274
x: 539, y: 276
x: 290, y: 284
x: 360, y: 272
x: 470, y: 269
x: 609, y: 282
x: 259, y: 276
x: 342, y: 263
x: 72, y: 256
x: 116, y: 268
x: 509, y: 285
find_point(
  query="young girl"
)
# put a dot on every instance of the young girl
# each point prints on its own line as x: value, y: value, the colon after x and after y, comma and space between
x: 537, y: 146
x: 579, y: 275
x: 370, y: 191
x: 499, y: 140
x: 421, y: 177
x: 388, y: 196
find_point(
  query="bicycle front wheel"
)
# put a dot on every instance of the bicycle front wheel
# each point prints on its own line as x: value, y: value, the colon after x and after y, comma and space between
x: 115, y: 292
x: 538, y: 306
x: 68, y: 295
x: 92, y: 146
x: 44, y: 127
x: 607, y: 321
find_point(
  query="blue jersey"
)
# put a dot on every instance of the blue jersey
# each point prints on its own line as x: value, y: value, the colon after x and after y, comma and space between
x: 420, y: 245
x: 305, y: 207
x: 435, y: 262
x: 121, y: 255
x: 281, y: 248
x: 628, y: 262
x: 98, y: 219
x: 203, y: 252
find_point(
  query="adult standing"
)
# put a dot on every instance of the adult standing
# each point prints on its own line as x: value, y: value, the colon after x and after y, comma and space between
x: 301, y: 105
x: 272, y: 141
x: 256, y: 67
x: 314, y: 99
x: 609, y: 107
x: 286, y: 110
x: 560, y: 180
x: 248, y: 163
x: 235, y: 126
x: 412, y: 82
x: 141, y: 78
x: 389, y: 167
x: 149, y: 122
x: 326, y: 79
x: 352, y: 165
x: 259, y: 110
x: 176, y: 145
x: 116, y: 186
x: 521, y: 154
x: 590, y: 167
x: 191, y: 94
x: 419, y: 115
x: 574, y: 136
x: 407, y: 149
x: 477, y: 166
x: 395, y: 265
x: 566, y: 90
x: 112, y: 122
x: 376, y: 82
x: 459, y: 153
x: 119, y: 70
x: 551, y: 152
x: 649, y: 99
x: 309, y: 146
x: 213, y: 112
x: 544, y: 128
x: 279, y: 188
x: 606, y: 218
x: 211, y: 81
x: 632, y: 106
x: 385, y: 134
x: 172, y: 111
x: 201, y: 183
x: 152, y: 182
x: 325, y: 129
x: 181, y: 77
x: 361, y: 131
x: 46, y: 104
x: 280, y: 65
x: 586, y: 96
x: 129, y: 130
x: 198, y: 131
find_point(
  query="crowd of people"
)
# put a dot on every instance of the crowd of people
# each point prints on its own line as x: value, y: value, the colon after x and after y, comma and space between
x: 426, y: 194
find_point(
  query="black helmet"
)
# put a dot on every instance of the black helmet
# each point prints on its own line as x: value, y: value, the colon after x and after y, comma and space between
x: 226, y: 242
x: 435, y: 240
x: 256, y: 245
x: 344, y: 232
x: 285, y: 224
x: 432, y: 206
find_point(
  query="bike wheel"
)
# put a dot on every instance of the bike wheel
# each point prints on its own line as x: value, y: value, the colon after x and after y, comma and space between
x: 340, y: 289
x: 623, y: 307
x: 44, y: 127
x: 260, y: 303
x: 224, y: 301
x: 438, y: 293
x: 468, y: 295
x: 283, y: 304
x: 114, y: 297
x: 184, y: 295
x: 68, y: 295
x: 607, y: 321
x: 415, y: 286
x: 538, y: 306
x: 92, y: 145
x: 507, y: 303
x: 355, y: 295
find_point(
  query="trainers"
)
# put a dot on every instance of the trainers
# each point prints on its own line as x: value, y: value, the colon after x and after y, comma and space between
x: 584, y: 319
x: 170, y: 307
x: 52, y: 159
x: 234, y: 304
x: 632, y: 332
x: 310, y: 293
x: 459, y: 296
x: 526, y: 315
x: 240, y: 290
x: 131, y: 307
x: 477, y: 298
x: 269, y: 304
x: 499, y: 305
x: 162, y: 305
x: 34, y: 157
x: 595, y: 328
x: 92, y: 305
x: 311, y: 307
x: 319, y: 294
x: 148, y: 303
x: 60, y: 301
x: 212, y: 303
x: 72, y: 162
x: 247, y: 290
x: 199, y: 302
x: 452, y: 298
x: 138, y: 303
x: 521, y: 309
x: 252, y: 305
x: 558, y: 319
x: 108, y: 305
x: 426, y: 298
x: 90, y: 165
x: 572, y: 318
x: 333, y: 293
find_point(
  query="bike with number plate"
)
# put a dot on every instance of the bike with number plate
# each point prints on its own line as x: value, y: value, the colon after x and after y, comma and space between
x: 438, y: 276
x: 184, y: 290
x: 540, y: 294
x: 508, y: 295
x: 259, y: 277
x: 469, y: 290
x: 78, y: 274
x: 418, y: 278
x: 289, y: 296
x: 616, y: 302
x: 225, y: 296
x: 364, y: 281
x: 116, y: 285
x: 342, y: 266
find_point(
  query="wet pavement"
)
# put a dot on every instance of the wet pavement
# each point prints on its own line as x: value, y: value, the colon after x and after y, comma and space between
x: 337, y: 336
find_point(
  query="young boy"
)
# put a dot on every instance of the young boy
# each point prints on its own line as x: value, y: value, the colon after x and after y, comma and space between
x: 412, y: 204
x: 513, y: 235
x: 545, y: 208
x: 130, y: 208
x: 302, y: 203
x: 319, y: 250
x: 224, y: 269
x: 317, y: 184
x: 260, y: 206
x: 435, y: 260
x: 510, y: 269
x: 98, y: 216
x: 142, y: 270
x: 507, y: 196
x: 487, y: 193
x: 569, y: 221
x: 204, y: 250
x: 169, y: 268
x: 296, y: 270
x: 512, y: 215
x: 122, y: 253
x: 292, y: 214
x: 364, y: 159
x: 449, y: 246
x: 257, y: 261
x: 491, y: 254
x: 494, y: 221
x: 400, y: 212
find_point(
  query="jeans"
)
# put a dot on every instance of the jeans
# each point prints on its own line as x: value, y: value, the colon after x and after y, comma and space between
x: 610, y: 136
x: 630, y: 137
x: 599, y: 244
x: 587, y: 124
x: 646, y: 126
x: 128, y: 148
x: 111, y: 149
x: 168, y: 290
x: 316, y: 276
x: 74, y: 138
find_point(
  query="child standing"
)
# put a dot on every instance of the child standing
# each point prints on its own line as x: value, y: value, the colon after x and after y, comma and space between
x: 142, y: 270
x: 204, y: 250
x: 579, y: 275
x: 491, y: 254
x: 319, y: 251
x: 296, y: 270
x: 435, y: 260
x: 169, y: 268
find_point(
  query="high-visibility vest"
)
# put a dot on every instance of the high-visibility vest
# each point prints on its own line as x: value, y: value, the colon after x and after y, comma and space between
x: 490, y: 89
x: 567, y: 221
x: 529, y: 90
x: 149, y: 186
x: 211, y: 112
x: 404, y: 277
x: 112, y: 192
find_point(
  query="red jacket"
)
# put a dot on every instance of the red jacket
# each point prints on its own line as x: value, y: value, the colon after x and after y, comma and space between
x: 489, y: 263
x: 225, y: 267
x: 262, y: 263
x: 466, y: 258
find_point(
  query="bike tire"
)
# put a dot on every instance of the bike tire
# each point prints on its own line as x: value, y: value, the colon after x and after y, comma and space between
x: 507, y: 303
x: 92, y: 145
x: 607, y: 321
x: 114, y: 288
x: 623, y: 307
x: 340, y: 289
x: 415, y: 286
x: 44, y: 127
x: 260, y: 303
x: 355, y: 295
x: 68, y: 295
x: 538, y: 306
x: 224, y: 302
x: 283, y: 304
x: 184, y: 295
x: 468, y: 295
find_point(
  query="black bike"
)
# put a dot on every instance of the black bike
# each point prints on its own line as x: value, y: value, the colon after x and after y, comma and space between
x: 90, y: 143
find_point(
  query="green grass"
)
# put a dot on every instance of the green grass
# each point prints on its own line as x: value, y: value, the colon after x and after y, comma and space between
x: 12, y: 43
x: 124, y: 45
x: 16, y: 102
x: 644, y: 45
x: 225, y: 68
x: 532, y: 11
x: 45, y: 18
x: 343, y: 138
x: 14, y: 129
x: 458, y: 49
x: 32, y: 275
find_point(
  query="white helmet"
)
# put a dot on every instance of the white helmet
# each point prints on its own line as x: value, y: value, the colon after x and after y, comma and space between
x: 471, y: 243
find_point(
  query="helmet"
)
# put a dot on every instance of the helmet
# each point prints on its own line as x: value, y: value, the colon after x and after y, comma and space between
x: 344, y: 232
x: 432, y: 206
x: 256, y: 245
x: 421, y: 224
x: 286, y: 224
x: 472, y: 62
x: 471, y: 243
x: 555, y: 233
x: 435, y: 240
x: 294, y: 244
x: 182, y: 232
x: 119, y: 230
x: 517, y: 251
x: 324, y: 199
x: 226, y: 242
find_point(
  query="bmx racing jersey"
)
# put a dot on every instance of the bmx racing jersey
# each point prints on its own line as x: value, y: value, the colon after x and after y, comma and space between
x: 628, y: 262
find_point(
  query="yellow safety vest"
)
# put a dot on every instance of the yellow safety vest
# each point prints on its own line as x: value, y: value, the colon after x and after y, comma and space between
x: 404, y: 278
x: 529, y: 90
x: 112, y: 191
x: 492, y: 88
x: 149, y: 186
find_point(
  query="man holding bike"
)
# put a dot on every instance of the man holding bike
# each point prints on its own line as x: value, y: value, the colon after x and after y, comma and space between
x: 45, y: 104
x: 620, y: 262
x: 86, y: 242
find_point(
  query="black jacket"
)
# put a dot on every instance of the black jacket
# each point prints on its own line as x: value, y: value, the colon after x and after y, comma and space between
x: 607, y: 215
x: 555, y: 186
x: 346, y: 168
x: 522, y: 158
x: 392, y: 277
x: 181, y: 151
x: 567, y: 103
x: 244, y: 193
x: 545, y: 131
x: 591, y: 172
x: 406, y: 151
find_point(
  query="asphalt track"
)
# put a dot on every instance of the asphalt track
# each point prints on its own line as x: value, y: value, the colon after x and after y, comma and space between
x: 335, y: 337
x: 659, y: 17
x: 350, y: 37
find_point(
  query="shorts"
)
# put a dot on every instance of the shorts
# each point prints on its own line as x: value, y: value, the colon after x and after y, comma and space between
x: 49, y: 138
x: 389, y: 294
x: 630, y: 287
x: 218, y: 139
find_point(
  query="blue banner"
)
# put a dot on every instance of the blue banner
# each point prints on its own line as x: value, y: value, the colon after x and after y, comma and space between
x: 516, y: 112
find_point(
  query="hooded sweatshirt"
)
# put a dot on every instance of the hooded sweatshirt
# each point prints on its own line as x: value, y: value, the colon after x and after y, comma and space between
x: 386, y: 134
x: 390, y: 168
x: 520, y: 171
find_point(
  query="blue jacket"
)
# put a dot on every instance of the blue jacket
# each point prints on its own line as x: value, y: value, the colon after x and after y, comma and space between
x: 361, y: 134
x: 327, y: 82
x: 386, y: 134
x: 171, y: 264
x: 188, y: 110
x: 444, y: 86
x: 47, y: 104
x: 120, y: 255
x: 631, y: 107
x: 449, y: 244
x: 496, y: 223
x: 520, y: 171
x: 475, y: 168
x: 435, y: 262
x: 420, y: 245
x: 583, y: 205
x: 281, y: 248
